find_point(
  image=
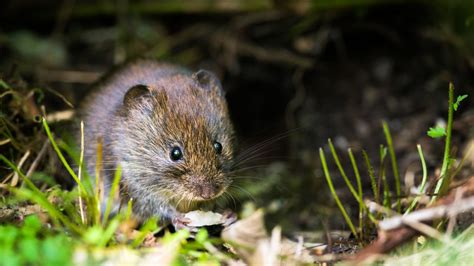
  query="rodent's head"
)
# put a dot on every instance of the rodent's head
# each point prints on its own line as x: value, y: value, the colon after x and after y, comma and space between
x: 176, y: 140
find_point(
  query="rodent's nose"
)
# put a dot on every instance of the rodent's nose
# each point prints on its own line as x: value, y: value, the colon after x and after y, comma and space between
x: 207, y: 191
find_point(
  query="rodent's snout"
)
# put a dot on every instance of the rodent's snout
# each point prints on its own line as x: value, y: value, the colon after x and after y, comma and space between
x: 206, y: 190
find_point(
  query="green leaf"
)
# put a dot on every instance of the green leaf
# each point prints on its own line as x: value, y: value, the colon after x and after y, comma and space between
x: 458, y: 101
x: 436, y: 132
x: 201, y: 236
x: 29, y: 249
x: 3, y: 84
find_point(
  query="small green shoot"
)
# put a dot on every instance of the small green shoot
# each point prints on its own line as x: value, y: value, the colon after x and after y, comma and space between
x: 343, y: 173
x: 393, y: 158
x: 436, y: 132
x: 112, y: 193
x: 359, y: 190
x: 387, y: 202
x: 3, y: 84
x: 444, y: 181
x: 334, y: 194
x: 423, y: 180
x: 459, y: 99
x: 61, y: 156
x: 373, y: 182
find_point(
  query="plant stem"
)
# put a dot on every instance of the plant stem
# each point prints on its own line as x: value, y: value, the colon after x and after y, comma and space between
x: 343, y: 173
x: 61, y: 157
x: 396, y: 175
x: 112, y: 192
x: 359, y: 189
x: 443, y: 182
x: 382, y: 182
x: 423, y: 181
x: 334, y: 194
x: 373, y: 183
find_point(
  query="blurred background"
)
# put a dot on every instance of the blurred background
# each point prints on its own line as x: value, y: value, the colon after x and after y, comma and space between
x: 296, y: 73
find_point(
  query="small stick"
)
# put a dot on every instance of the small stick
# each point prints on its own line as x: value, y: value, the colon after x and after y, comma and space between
x: 60, y: 116
x: 452, y: 218
x: 426, y: 230
x: 16, y: 177
x: 38, y: 158
x: 428, y: 214
x: 79, y: 172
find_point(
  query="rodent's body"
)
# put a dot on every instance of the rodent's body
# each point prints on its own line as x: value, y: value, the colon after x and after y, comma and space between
x: 170, y: 131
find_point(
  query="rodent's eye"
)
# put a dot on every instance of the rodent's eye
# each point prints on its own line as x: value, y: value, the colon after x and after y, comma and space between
x: 176, y: 154
x: 218, y: 147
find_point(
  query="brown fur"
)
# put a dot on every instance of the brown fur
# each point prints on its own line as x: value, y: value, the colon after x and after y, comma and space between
x: 139, y: 132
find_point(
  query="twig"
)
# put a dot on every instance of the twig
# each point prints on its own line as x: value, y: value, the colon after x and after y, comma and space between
x: 38, y: 158
x: 426, y: 230
x: 428, y: 214
x: 5, y: 141
x: 60, y: 116
x: 16, y: 177
x: 374, y: 206
x: 452, y: 218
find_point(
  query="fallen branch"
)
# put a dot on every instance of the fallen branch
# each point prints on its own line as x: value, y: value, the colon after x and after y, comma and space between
x: 428, y: 214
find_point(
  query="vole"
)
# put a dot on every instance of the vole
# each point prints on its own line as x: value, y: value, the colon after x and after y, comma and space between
x: 169, y: 129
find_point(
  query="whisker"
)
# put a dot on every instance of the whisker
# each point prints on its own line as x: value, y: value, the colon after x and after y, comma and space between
x: 245, y: 191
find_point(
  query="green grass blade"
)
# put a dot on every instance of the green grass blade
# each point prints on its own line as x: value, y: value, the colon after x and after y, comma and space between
x: 149, y: 226
x: 109, y: 231
x: 393, y: 158
x: 371, y: 172
x: 128, y: 214
x: 334, y: 194
x: 61, y: 157
x: 98, y: 180
x: 423, y: 181
x: 112, y: 193
x: 362, y: 206
x: 86, y: 178
x: 343, y: 173
x: 359, y: 190
x: 383, y: 178
x: 443, y: 182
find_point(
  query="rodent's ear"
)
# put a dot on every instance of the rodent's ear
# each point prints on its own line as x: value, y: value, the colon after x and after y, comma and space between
x: 135, y: 93
x: 209, y: 81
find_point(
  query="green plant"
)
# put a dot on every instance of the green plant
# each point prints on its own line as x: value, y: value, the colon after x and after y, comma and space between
x: 444, y: 177
x: 31, y: 245
x: 381, y: 184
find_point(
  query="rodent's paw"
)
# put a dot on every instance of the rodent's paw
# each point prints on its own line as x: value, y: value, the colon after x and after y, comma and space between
x: 228, y: 217
x: 180, y: 222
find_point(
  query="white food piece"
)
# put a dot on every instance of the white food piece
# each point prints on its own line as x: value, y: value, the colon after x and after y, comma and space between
x: 202, y: 218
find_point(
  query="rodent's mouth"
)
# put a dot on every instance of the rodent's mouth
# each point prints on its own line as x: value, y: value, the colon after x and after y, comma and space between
x: 192, y: 200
